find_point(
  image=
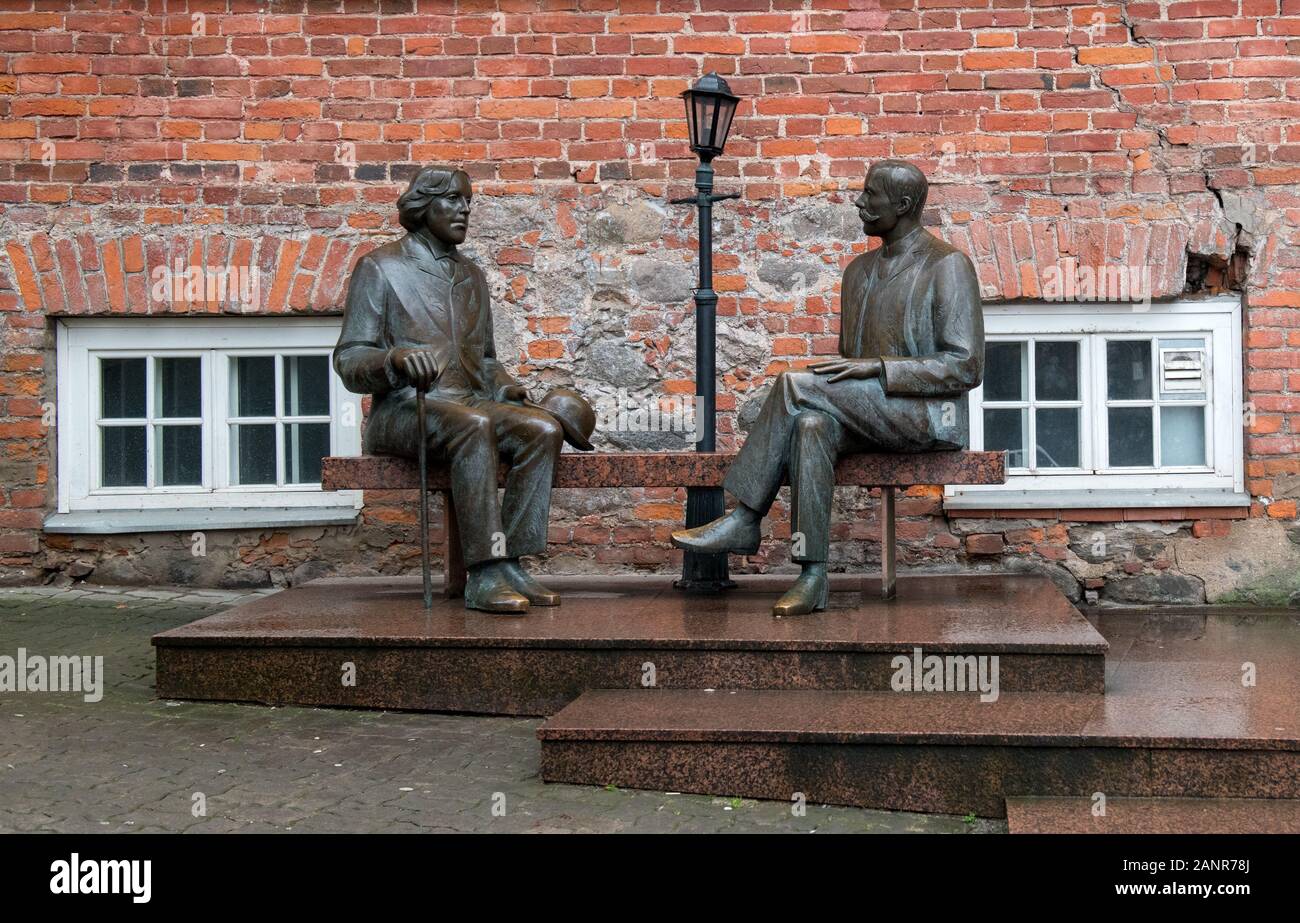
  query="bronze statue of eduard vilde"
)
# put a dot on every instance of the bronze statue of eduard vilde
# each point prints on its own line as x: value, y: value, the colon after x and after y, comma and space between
x: 418, y: 321
x: 911, y: 346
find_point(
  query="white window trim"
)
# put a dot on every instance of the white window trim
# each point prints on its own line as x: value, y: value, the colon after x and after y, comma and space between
x: 1219, y: 483
x: 79, y: 340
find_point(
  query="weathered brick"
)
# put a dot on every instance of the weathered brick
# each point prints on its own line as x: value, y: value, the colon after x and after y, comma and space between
x: 984, y: 544
x: 284, y: 137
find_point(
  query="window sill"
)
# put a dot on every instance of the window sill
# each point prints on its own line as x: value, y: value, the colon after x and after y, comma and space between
x: 112, y: 522
x: 1008, y: 499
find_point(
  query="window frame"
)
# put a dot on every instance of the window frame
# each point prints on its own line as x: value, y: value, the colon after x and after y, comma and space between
x: 1219, y: 482
x: 224, y: 419
x: 1032, y: 403
x: 149, y: 421
x: 81, y: 341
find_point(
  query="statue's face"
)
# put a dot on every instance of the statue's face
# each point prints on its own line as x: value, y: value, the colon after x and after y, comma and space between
x: 447, y: 216
x: 877, y: 208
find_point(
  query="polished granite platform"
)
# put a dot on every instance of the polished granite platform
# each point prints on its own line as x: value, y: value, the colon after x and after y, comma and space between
x: 1153, y: 815
x: 1176, y: 720
x: 650, y: 688
x: 291, y: 647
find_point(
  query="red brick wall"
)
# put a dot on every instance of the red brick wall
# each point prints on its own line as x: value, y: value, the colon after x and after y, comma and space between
x: 137, y: 132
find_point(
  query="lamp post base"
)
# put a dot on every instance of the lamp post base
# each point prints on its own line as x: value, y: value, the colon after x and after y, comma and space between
x: 704, y: 573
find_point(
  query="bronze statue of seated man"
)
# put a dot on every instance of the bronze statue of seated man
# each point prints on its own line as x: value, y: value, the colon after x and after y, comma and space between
x: 419, y: 321
x: 911, y: 346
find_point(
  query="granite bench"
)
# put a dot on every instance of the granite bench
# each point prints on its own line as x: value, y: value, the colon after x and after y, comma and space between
x: 673, y: 469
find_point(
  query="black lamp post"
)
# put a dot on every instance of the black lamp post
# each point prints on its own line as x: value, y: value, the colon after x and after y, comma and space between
x: 710, y: 106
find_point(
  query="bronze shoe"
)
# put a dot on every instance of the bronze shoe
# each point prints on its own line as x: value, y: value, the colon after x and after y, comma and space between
x: 487, y: 588
x: 810, y: 593
x: 524, y: 584
x: 730, y: 533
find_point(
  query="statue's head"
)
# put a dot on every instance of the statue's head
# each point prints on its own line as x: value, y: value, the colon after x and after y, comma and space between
x: 894, y: 192
x: 438, y: 200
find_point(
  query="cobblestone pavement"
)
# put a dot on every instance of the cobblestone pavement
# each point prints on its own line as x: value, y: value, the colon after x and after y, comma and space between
x: 134, y: 763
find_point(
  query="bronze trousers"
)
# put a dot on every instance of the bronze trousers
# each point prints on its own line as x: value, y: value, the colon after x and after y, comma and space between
x: 806, y: 422
x: 472, y: 435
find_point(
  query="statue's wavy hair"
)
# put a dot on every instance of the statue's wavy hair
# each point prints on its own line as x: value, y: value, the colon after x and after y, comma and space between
x: 427, y: 183
x: 904, y: 179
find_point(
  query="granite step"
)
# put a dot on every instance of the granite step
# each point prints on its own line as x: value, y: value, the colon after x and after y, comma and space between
x: 1153, y: 815
x: 611, y: 632
x: 934, y: 752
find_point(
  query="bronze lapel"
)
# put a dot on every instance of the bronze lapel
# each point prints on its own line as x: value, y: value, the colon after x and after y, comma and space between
x: 869, y: 278
x: 464, y: 304
x: 419, y: 283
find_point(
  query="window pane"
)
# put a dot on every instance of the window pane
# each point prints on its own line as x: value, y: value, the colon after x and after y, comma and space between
x: 1007, y: 429
x: 253, y: 447
x: 690, y: 119
x: 122, y: 456
x: 1057, y: 435
x: 1131, y: 437
x: 1182, y: 435
x: 1056, y: 371
x: 182, y: 455
x: 1128, y: 370
x: 305, y: 444
x: 122, y: 387
x: 180, y: 388
x: 704, y: 106
x: 253, y: 386
x: 1004, y: 372
x: 306, y: 386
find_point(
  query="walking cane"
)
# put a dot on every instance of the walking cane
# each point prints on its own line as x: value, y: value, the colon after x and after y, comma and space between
x: 421, y: 416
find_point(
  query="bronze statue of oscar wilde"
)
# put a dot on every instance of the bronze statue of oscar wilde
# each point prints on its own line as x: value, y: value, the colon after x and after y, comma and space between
x: 418, y: 316
x: 911, y: 346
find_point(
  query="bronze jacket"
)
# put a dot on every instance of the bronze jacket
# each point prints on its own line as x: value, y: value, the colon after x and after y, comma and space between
x: 416, y: 291
x: 924, y: 321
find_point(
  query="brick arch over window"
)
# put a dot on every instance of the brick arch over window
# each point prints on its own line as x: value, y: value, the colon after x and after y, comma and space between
x: 147, y: 273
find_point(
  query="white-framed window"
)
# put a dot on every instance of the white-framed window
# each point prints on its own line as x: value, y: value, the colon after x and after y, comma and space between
x: 1111, y: 405
x: 200, y: 414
